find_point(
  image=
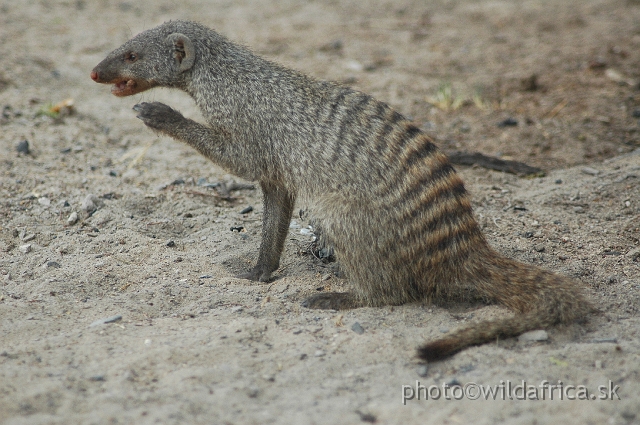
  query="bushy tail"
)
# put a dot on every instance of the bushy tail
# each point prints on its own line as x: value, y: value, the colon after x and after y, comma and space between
x: 539, y: 298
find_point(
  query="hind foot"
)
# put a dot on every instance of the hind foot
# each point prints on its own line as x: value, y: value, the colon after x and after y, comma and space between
x: 258, y: 274
x: 332, y: 301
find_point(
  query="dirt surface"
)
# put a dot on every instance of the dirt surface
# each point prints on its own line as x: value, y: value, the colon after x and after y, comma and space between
x: 153, y: 244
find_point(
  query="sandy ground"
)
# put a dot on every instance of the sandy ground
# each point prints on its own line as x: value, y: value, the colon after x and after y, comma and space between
x: 195, y: 345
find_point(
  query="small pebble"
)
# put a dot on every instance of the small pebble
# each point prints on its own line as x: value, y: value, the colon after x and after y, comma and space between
x: 422, y: 370
x: 319, y: 353
x: 558, y: 181
x: 598, y: 364
x: 147, y: 342
x: 357, y: 328
x: 614, y: 75
x: 294, y: 225
x: 73, y: 218
x: 326, y: 277
x: 171, y: 244
x: 53, y: 264
x: 25, y: 249
x: 236, y: 309
x: 44, y: 201
x: 23, y: 147
x: 97, y: 378
x: 246, y: 210
x: 91, y: 203
x: 590, y: 171
x: 509, y: 122
x: 306, y: 231
x: 538, y: 335
x: 444, y: 330
x: 578, y: 209
x: 353, y: 65
x: 30, y: 237
x: 539, y: 248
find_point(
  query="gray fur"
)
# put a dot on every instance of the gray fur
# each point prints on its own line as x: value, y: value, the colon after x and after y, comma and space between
x: 384, y: 196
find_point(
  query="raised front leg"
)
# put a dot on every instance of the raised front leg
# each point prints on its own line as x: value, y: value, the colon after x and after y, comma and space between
x: 218, y: 145
x: 278, y: 206
x: 214, y: 143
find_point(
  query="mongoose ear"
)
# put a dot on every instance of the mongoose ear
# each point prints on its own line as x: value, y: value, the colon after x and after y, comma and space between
x: 182, y: 50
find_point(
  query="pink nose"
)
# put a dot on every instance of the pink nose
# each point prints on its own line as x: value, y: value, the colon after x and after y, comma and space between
x: 94, y: 75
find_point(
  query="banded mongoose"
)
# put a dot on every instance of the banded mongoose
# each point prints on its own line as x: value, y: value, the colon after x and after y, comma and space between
x: 384, y: 196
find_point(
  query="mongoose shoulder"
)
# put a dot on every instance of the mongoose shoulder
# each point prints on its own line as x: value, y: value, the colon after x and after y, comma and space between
x: 385, y: 197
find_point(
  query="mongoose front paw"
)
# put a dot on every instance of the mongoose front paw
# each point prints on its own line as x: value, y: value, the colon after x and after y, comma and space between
x: 157, y: 116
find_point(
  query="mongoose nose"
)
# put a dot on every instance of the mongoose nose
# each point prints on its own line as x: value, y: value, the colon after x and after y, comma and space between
x: 94, y: 75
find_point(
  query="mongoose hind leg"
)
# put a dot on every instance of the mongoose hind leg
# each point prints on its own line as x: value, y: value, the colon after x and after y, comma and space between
x: 333, y: 301
x: 278, y: 206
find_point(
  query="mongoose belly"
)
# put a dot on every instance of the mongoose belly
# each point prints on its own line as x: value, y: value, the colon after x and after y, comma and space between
x: 383, y: 194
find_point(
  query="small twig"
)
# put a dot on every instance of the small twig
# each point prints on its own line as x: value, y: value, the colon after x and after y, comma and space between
x: 139, y: 157
x: 156, y: 222
x: 493, y: 163
x: 196, y: 192
x: 552, y: 113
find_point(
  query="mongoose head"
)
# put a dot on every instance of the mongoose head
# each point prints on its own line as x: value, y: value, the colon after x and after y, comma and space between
x: 157, y: 57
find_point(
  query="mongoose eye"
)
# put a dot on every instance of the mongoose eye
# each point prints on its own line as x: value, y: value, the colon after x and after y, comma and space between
x: 130, y: 57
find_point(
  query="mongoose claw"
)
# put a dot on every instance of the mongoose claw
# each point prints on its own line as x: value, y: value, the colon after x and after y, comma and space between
x: 157, y: 116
